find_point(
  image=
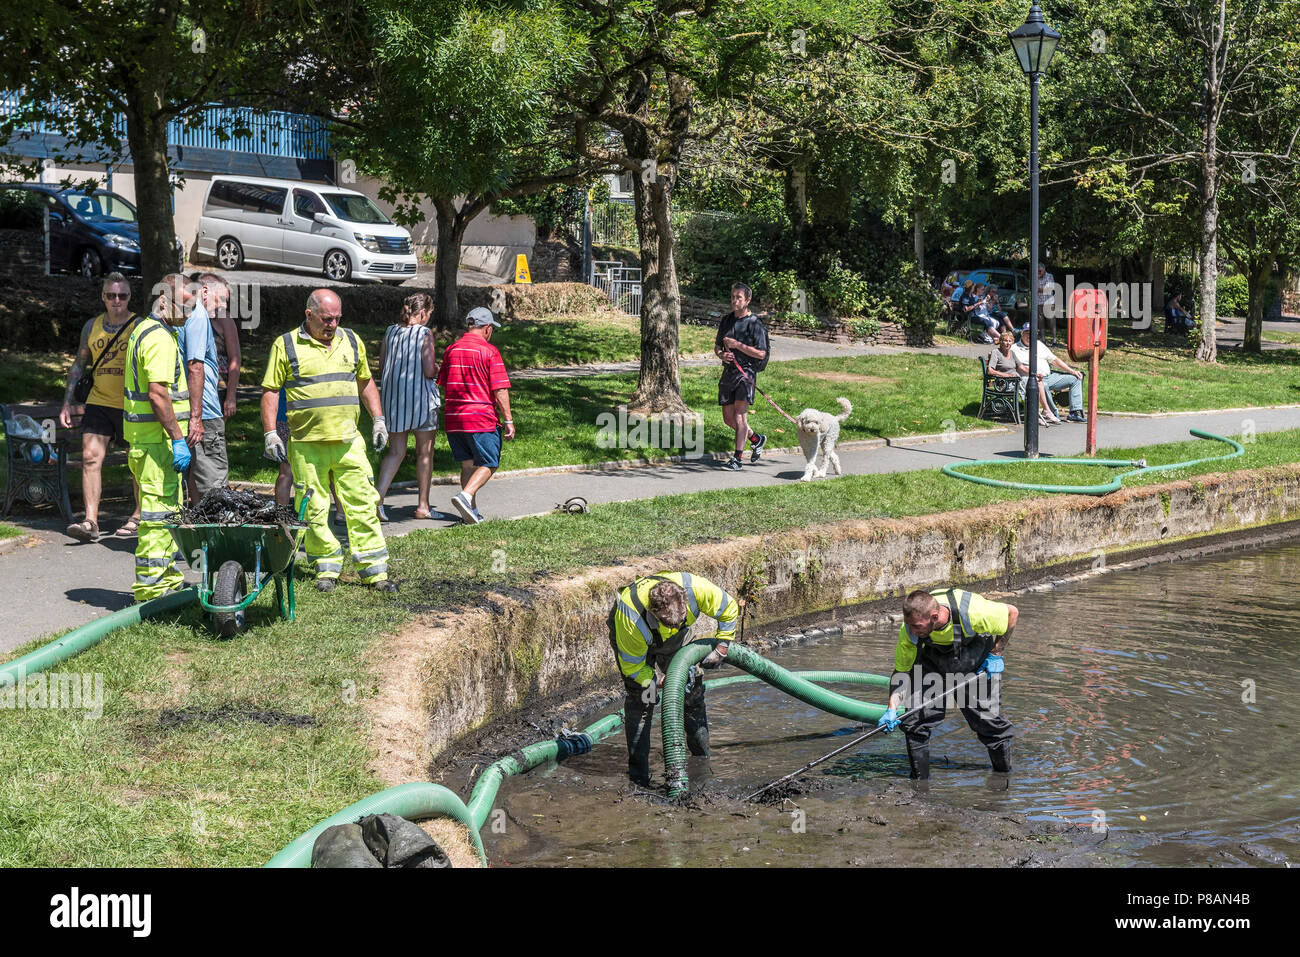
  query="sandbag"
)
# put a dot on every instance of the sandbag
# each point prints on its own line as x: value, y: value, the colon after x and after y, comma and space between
x: 377, y: 840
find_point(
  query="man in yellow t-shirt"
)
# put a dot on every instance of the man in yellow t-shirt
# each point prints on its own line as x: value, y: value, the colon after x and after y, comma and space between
x: 102, y: 349
x: 323, y: 370
x: 946, y: 638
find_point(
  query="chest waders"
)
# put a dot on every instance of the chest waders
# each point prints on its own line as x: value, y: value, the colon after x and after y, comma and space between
x: 639, y: 703
x: 981, y: 704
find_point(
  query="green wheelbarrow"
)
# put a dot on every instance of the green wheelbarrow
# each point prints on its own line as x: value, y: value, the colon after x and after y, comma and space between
x: 226, y: 555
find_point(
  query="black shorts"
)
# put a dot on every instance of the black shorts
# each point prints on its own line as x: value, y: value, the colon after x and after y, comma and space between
x: 102, y: 420
x: 734, y: 388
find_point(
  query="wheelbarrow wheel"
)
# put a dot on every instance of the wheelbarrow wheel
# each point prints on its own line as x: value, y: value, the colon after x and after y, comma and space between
x: 230, y: 589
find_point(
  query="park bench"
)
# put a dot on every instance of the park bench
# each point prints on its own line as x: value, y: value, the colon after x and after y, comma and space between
x: 37, y: 472
x: 1000, y: 398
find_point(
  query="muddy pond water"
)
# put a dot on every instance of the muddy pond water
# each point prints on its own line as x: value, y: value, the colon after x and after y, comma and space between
x: 1156, y: 713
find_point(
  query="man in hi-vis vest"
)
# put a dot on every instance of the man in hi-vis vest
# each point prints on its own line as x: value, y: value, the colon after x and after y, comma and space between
x: 322, y: 368
x: 155, y: 421
x: 946, y: 638
x: 650, y: 621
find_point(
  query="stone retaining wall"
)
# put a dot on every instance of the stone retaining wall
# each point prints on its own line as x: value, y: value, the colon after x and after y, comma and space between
x: 550, y: 643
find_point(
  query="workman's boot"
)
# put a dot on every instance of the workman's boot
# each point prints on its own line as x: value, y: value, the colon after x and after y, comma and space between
x: 1000, y: 755
x: 696, y: 718
x: 918, y: 756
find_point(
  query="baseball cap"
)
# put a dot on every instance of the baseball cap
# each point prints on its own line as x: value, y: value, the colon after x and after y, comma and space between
x: 1024, y: 328
x: 481, y: 316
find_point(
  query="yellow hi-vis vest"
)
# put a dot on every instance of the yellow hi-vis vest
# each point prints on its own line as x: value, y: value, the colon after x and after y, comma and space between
x: 320, y: 384
x: 637, y: 634
x: 152, y: 355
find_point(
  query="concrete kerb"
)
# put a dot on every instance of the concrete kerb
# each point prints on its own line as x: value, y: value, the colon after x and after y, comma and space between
x: 542, y: 647
x: 1166, y: 415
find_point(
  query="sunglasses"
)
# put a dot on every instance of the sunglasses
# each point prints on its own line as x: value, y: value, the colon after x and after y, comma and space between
x: 117, y: 295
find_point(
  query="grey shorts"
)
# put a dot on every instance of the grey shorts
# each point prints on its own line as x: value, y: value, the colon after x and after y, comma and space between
x: 209, y: 466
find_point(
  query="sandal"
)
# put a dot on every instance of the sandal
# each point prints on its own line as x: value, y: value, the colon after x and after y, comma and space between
x: 383, y: 515
x: 129, y: 530
x: 84, y: 531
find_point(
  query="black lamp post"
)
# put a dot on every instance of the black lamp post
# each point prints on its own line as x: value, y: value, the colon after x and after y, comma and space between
x: 1034, y: 42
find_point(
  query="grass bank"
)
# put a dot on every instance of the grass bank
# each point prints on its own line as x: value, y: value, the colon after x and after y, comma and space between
x: 217, y: 753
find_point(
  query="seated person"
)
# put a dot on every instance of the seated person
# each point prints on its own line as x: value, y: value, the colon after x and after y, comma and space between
x: 1044, y: 361
x: 1176, y: 318
x: 995, y: 310
x: 975, y: 309
x: 1002, y: 365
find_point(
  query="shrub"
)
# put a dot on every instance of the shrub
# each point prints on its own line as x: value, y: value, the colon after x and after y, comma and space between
x: 1233, y: 296
x: 845, y: 292
x: 863, y: 327
x: 778, y: 288
x: 802, y: 320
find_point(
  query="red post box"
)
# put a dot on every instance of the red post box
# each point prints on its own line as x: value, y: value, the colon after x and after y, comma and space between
x: 1087, y: 329
x: 1087, y: 343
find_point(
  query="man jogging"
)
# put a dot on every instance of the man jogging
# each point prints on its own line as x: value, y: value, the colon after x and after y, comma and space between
x: 650, y: 621
x: 741, y: 342
x: 952, y: 632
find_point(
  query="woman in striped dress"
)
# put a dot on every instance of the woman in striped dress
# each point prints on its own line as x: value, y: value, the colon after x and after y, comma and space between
x: 407, y: 370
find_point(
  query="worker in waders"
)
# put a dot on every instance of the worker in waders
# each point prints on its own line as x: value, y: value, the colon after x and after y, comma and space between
x: 950, y: 633
x: 323, y: 370
x: 155, y: 423
x: 650, y: 621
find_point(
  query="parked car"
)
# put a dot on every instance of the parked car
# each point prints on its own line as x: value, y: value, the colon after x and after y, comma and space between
x: 91, y: 231
x: 308, y: 226
x: 1014, y: 290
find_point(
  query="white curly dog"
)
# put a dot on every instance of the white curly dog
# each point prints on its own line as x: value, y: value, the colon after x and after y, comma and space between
x: 819, y: 432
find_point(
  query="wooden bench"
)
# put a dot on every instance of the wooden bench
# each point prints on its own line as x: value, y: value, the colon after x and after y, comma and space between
x: 38, y: 467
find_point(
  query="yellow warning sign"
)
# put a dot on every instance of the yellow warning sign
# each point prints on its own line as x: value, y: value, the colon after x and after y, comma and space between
x: 521, y: 269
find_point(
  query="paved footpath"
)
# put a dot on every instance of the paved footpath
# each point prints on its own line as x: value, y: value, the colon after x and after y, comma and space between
x: 51, y: 584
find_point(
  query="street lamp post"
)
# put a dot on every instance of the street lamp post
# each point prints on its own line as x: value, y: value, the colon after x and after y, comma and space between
x: 1034, y: 42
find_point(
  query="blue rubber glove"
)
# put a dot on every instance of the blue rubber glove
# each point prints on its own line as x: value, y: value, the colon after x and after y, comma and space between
x: 180, y: 455
x: 993, y: 665
x: 888, y: 720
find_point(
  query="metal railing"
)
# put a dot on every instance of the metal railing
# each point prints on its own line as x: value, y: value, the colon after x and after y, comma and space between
x: 621, y: 283
x: 613, y: 223
x: 240, y: 129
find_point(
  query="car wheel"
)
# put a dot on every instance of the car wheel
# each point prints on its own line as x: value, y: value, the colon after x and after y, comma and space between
x: 230, y: 254
x: 338, y: 266
x: 90, y: 265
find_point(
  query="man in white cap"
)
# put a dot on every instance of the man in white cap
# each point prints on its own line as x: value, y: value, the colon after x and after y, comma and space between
x: 474, y: 388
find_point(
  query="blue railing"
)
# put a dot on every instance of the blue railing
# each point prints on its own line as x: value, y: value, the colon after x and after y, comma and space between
x: 239, y: 129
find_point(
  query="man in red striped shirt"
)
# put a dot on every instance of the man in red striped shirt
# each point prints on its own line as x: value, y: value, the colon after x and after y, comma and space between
x: 474, y: 386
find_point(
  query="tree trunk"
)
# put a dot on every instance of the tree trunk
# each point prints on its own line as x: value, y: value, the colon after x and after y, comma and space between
x: 146, y: 135
x: 1257, y: 277
x: 1156, y: 276
x: 659, y: 388
x: 918, y: 241
x: 1207, y: 313
x: 451, y: 233
x: 796, y: 194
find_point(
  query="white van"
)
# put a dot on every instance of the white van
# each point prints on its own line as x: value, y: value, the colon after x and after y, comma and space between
x: 308, y: 226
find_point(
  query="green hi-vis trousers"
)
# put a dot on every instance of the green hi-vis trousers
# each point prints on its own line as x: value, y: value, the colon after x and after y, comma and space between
x: 314, y: 465
x: 160, y: 495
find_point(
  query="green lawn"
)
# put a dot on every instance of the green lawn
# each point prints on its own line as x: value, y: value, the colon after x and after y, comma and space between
x: 1278, y: 335
x: 559, y: 419
x: 9, y: 531
x: 140, y: 786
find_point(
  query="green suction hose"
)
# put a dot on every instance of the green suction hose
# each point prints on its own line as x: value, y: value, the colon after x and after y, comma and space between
x: 673, y: 700
x: 1104, y: 488
x: 411, y: 801
x: 91, y: 633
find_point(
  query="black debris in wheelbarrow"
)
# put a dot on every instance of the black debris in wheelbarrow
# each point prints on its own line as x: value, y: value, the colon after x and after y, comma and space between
x: 228, y: 506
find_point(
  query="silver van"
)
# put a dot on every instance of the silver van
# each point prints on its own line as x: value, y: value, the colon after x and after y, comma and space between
x: 307, y: 226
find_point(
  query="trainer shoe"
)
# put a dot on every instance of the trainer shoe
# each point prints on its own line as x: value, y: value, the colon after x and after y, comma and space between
x: 1077, y: 417
x: 757, y: 451
x: 463, y: 505
x: 386, y: 586
x: 733, y: 464
x: 326, y: 584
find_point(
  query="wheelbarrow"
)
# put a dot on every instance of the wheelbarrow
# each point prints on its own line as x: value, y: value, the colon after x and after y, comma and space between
x: 225, y: 555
